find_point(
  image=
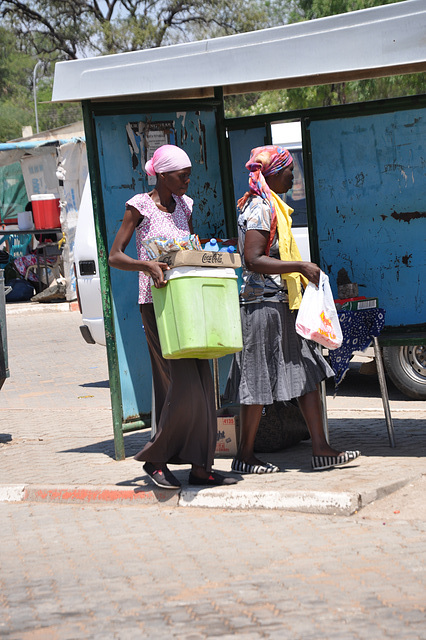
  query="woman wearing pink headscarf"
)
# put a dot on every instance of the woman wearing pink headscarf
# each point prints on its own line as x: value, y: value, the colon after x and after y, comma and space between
x: 276, y: 364
x: 184, y: 394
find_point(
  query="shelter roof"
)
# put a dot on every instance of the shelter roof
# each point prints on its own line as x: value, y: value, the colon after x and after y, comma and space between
x: 379, y: 41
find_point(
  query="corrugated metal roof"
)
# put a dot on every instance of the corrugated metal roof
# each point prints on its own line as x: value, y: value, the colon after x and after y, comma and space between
x: 33, y: 144
x: 13, y: 151
x: 373, y: 42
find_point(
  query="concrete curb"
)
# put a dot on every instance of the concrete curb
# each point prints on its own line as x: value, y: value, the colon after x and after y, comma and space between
x: 205, y: 497
x: 12, y: 493
x: 320, y: 502
x: 30, y: 308
x: 324, y: 502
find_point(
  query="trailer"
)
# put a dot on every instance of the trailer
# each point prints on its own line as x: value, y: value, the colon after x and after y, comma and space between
x: 364, y: 164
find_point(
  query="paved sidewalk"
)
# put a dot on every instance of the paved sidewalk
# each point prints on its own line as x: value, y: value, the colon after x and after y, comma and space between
x: 56, y: 440
x: 85, y: 572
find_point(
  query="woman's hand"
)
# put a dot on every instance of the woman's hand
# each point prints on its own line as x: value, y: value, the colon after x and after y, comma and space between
x: 156, y: 271
x: 311, y: 271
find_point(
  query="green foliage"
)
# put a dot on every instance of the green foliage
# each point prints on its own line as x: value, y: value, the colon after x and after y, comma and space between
x: 15, y: 67
x: 12, y: 119
x: 252, y: 104
x: 54, y: 115
x: 16, y: 93
x: 53, y: 30
x: 323, y: 95
x: 312, y: 9
x: 15, y: 84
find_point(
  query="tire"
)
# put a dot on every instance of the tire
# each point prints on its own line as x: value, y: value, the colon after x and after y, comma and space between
x: 406, y: 367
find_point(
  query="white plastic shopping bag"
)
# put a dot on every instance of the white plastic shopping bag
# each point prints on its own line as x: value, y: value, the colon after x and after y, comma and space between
x: 317, y: 317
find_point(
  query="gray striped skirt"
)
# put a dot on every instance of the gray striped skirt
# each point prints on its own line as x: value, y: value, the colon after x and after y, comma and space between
x: 276, y: 364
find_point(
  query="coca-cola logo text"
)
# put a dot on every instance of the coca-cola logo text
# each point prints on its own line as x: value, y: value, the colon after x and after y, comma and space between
x: 212, y: 258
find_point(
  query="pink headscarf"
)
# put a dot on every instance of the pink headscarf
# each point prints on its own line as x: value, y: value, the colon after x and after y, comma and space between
x: 263, y: 162
x: 167, y: 158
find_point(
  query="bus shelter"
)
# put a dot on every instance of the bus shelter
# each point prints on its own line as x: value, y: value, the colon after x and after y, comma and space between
x: 134, y: 102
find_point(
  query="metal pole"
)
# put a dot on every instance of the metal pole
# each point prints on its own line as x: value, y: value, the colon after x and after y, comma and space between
x: 4, y: 366
x: 384, y: 391
x: 35, y: 92
x: 101, y: 241
x: 323, y: 396
x: 216, y: 383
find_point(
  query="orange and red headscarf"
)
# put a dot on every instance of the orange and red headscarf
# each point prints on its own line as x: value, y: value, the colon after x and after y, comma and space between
x: 264, y: 162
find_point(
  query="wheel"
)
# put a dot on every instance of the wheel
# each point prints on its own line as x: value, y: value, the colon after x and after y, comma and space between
x: 406, y: 367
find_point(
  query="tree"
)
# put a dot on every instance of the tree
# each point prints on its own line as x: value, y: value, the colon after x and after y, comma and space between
x: 16, y: 92
x: 15, y: 84
x: 53, y: 115
x: 53, y: 30
x: 15, y: 66
x: 323, y: 95
x: 69, y: 29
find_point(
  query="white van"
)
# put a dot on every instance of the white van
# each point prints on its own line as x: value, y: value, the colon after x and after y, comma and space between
x: 87, y: 272
x: 289, y: 135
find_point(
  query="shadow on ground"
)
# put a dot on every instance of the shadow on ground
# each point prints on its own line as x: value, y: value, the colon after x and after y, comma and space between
x: 355, y: 384
x: 366, y: 434
x: 102, y: 384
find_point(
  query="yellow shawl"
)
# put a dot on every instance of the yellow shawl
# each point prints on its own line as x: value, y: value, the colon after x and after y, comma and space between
x: 288, y: 252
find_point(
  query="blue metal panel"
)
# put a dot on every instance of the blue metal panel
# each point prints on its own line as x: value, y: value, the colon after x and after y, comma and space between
x: 242, y: 141
x: 122, y: 176
x: 369, y: 190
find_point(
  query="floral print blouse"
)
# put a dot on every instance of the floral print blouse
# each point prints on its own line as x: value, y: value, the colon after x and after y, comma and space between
x: 157, y: 223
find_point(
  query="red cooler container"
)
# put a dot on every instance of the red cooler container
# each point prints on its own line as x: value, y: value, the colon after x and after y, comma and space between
x: 46, y: 211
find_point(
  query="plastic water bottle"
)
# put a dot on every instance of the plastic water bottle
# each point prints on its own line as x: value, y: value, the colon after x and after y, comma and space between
x: 229, y: 249
x: 212, y: 245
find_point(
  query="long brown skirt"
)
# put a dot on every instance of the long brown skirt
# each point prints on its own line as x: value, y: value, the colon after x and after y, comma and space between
x: 184, y: 406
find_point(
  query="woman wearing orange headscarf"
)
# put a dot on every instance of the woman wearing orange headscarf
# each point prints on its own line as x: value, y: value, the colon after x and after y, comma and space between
x: 276, y: 364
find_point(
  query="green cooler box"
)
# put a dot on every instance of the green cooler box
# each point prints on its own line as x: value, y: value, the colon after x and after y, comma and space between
x: 198, y: 312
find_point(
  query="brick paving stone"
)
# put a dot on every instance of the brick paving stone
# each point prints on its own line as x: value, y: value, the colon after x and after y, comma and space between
x: 83, y: 571
x: 97, y: 566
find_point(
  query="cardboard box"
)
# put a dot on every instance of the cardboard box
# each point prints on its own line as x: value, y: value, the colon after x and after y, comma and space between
x: 357, y: 304
x: 228, y: 436
x: 201, y: 259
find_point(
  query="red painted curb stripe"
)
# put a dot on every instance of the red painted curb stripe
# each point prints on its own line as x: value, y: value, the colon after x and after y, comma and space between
x: 88, y: 495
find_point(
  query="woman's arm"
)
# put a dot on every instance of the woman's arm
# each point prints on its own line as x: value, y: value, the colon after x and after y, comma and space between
x: 120, y: 260
x: 256, y: 260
